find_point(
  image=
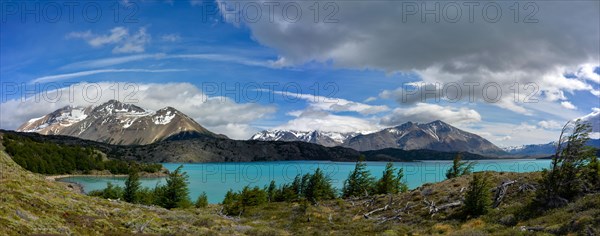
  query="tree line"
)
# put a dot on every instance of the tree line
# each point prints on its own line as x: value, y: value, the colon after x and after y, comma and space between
x: 51, y: 158
x: 310, y: 187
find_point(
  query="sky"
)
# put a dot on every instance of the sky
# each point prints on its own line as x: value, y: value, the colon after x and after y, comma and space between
x: 512, y: 72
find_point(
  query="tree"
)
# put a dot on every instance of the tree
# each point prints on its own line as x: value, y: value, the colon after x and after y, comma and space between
x: 236, y: 203
x: 175, y: 194
x: 231, y: 203
x: 132, y: 187
x: 593, y: 174
x: 390, y: 182
x: 202, y: 201
x: 565, y: 179
x: 359, y: 182
x: 271, y: 191
x: 459, y: 168
x: 319, y: 187
x: 478, y: 199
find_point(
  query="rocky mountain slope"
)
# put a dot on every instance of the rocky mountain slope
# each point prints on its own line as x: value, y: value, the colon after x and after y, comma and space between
x: 437, y: 135
x: 205, y: 149
x: 116, y: 123
x: 328, y: 139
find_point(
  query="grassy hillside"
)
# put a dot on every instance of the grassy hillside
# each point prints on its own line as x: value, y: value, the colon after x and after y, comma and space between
x: 29, y: 204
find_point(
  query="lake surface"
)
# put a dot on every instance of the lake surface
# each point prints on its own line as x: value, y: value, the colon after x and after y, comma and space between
x: 217, y: 178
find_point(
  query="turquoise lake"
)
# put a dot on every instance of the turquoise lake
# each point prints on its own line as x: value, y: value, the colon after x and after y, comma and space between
x: 217, y: 178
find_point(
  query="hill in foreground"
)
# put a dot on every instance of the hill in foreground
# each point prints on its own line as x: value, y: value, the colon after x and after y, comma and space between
x: 30, y: 204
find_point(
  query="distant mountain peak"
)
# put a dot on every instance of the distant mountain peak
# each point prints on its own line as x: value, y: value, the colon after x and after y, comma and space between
x: 117, y: 123
x: 325, y: 138
x: 436, y: 135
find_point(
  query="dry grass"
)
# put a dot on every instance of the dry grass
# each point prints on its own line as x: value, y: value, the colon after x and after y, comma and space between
x: 29, y: 204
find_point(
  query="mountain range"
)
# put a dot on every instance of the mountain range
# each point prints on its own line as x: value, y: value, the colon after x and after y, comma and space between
x: 327, y: 139
x: 436, y: 135
x: 116, y: 123
x: 542, y: 150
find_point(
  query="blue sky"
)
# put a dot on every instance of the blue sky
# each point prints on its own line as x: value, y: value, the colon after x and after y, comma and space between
x: 359, y: 66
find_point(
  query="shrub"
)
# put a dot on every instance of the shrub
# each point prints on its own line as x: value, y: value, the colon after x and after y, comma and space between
x: 202, y: 201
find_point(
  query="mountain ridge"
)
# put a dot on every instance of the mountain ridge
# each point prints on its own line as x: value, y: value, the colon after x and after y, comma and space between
x: 115, y: 122
x: 436, y: 135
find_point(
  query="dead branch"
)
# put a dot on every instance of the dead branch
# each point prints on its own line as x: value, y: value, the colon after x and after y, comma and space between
x: 366, y: 215
x: 501, y: 192
x: 532, y: 228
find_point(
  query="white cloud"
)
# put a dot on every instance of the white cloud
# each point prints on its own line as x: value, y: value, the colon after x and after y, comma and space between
x: 324, y: 121
x: 386, y: 38
x: 593, y: 119
x: 334, y: 104
x: 507, y: 134
x: 170, y: 37
x: 54, y: 78
x: 111, y: 61
x: 371, y: 99
x: 550, y: 124
x: 587, y: 72
x: 215, y: 113
x: 568, y: 105
x: 425, y: 112
x: 123, y: 41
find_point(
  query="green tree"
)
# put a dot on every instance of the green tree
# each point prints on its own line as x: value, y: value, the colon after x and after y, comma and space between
x: 391, y: 182
x: 175, y: 194
x: 359, y: 182
x: 478, y: 199
x: 565, y: 180
x: 459, y: 168
x: 132, y: 186
x: 202, y: 201
x: 593, y: 174
x: 236, y: 203
x: 231, y: 203
x: 319, y: 187
x: 110, y: 192
x: 271, y: 191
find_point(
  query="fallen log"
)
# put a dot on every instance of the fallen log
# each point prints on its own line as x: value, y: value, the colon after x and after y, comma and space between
x: 366, y: 215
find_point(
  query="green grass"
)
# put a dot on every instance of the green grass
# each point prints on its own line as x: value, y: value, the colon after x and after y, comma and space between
x: 29, y: 204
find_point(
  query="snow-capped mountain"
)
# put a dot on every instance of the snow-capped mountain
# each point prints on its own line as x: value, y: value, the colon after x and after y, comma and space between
x: 542, y: 150
x: 116, y: 123
x: 436, y: 135
x: 328, y: 139
x: 56, y: 121
x: 545, y: 149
